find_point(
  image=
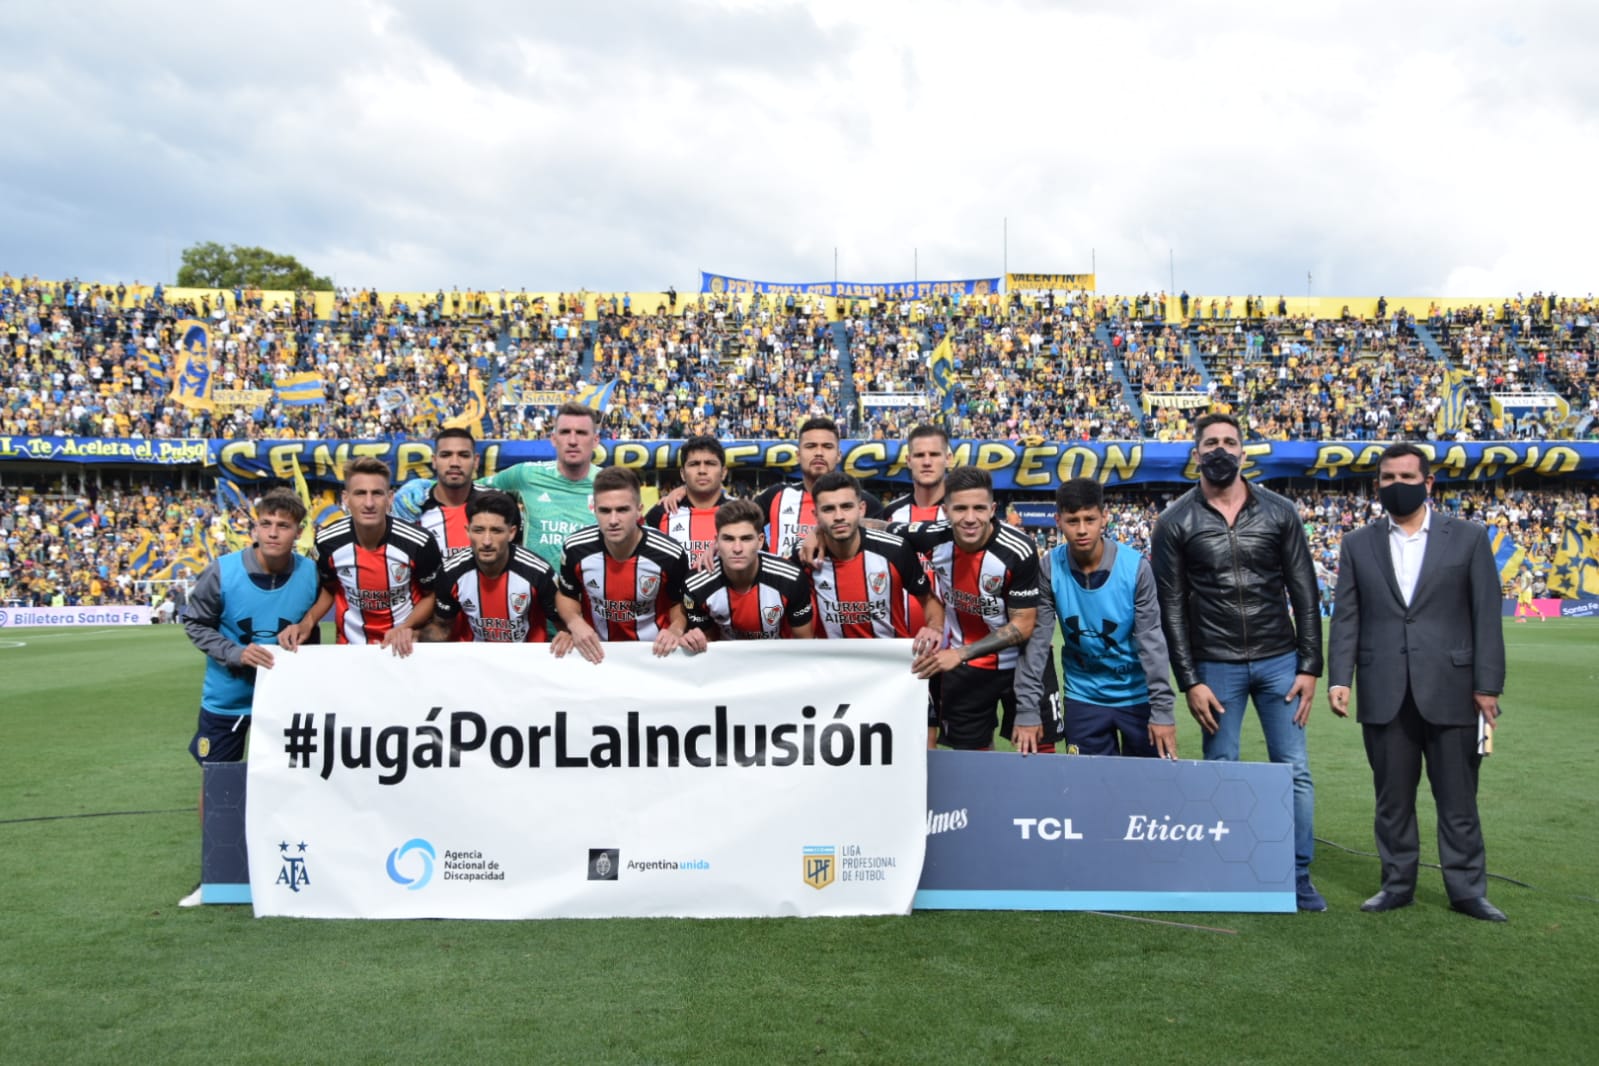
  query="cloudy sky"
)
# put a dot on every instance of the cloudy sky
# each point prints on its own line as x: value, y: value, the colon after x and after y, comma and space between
x: 1383, y: 148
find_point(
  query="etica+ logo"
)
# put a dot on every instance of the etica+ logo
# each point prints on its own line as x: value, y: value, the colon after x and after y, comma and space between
x: 401, y: 857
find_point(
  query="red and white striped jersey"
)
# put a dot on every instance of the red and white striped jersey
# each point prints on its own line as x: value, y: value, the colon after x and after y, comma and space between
x: 903, y: 510
x: 791, y: 515
x: 864, y: 596
x: 692, y: 527
x: 447, y: 525
x: 511, y: 608
x: 980, y: 588
x: 778, y: 600
x: 375, y: 590
x: 624, y: 599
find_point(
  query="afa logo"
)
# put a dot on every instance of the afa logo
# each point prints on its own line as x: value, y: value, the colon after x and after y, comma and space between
x: 819, y: 865
x: 294, y: 875
x: 423, y: 863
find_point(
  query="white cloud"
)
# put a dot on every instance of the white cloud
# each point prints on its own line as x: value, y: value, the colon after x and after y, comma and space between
x: 1383, y: 148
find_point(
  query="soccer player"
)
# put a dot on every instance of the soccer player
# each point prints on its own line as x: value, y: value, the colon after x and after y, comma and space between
x: 1113, y: 652
x: 927, y: 459
x: 498, y: 591
x: 240, y: 603
x: 987, y: 574
x: 859, y: 579
x: 619, y: 580
x: 440, y: 506
x: 790, y: 510
x: 557, y: 497
x: 692, y: 522
x: 748, y: 594
x: 377, y: 572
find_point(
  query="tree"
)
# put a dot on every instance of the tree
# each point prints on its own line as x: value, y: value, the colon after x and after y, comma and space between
x: 211, y: 266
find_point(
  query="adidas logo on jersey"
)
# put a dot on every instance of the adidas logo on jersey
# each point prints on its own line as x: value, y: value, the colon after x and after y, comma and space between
x: 468, y: 605
x: 544, y: 497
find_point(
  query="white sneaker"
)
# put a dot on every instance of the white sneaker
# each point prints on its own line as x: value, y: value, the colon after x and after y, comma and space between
x: 192, y: 899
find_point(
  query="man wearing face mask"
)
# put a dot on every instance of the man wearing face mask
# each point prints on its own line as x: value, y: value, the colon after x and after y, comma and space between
x: 1238, y: 605
x: 1416, y: 619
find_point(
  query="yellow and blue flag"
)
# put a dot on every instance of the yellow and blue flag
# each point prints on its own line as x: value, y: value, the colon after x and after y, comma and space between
x: 191, y: 372
x: 1508, y: 555
x: 301, y: 390
x: 596, y: 396
x: 75, y: 515
x: 1451, y: 416
x: 941, y: 370
x: 1575, y: 572
x: 475, y: 417
x: 142, y: 557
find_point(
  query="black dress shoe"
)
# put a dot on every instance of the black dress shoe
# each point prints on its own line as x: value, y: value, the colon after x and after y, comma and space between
x: 1479, y: 908
x: 1386, y: 901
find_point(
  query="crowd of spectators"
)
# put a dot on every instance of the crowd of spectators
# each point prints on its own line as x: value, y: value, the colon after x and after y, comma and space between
x: 89, y: 549
x: 91, y: 359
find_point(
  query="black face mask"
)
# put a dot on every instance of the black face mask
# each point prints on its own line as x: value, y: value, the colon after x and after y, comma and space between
x: 1219, y: 466
x: 1403, y: 498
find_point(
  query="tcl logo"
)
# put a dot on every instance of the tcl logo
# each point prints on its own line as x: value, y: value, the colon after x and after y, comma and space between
x: 1046, y: 828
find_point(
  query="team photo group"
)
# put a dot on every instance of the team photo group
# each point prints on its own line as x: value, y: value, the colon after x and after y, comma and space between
x: 1225, y: 605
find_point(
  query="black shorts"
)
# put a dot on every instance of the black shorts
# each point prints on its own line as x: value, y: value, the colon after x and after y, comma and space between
x: 969, y: 697
x: 219, y: 738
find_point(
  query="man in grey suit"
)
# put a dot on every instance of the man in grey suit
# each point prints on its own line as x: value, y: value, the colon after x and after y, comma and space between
x: 1417, y: 614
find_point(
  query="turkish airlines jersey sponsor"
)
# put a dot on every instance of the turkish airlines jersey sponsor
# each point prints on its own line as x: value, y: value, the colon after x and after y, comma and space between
x: 376, y: 589
x: 791, y: 515
x: 512, y: 608
x: 446, y: 524
x: 778, y: 600
x: 626, y: 599
x: 864, y: 596
x: 903, y: 510
x: 692, y: 527
x: 980, y: 588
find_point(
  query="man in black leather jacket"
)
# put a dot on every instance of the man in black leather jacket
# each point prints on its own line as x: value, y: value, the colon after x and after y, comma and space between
x: 1229, y: 559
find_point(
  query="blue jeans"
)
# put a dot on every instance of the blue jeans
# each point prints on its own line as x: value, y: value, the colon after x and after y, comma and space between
x: 1267, y: 681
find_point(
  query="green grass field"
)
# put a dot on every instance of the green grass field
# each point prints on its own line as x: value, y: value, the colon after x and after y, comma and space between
x: 97, y: 964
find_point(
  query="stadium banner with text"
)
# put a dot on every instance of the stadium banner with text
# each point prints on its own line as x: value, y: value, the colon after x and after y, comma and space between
x: 1040, y: 282
x: 744, y: 781
x: 20, y: 617
x: 241, y: 397
x: 721, y: 283
x: 894, y: 399
x: 1042, y: 466
x: 1007, y: 832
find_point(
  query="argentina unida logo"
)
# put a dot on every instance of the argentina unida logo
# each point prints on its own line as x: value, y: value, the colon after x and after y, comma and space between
x: 411, y: 864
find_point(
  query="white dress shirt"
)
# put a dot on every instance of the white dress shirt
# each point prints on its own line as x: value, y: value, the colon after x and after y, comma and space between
x: 1407, y: 550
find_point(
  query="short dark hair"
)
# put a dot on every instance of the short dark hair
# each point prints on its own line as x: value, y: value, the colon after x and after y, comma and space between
x: 1400, y: 449
x: 701, y: 444
x: 735, y: 511
x: 366, y: 464
x: 284, y: 502
x: 927, y: 429
x: 1079, y: 494
x: 493, y: 501
x: 819, y: 422
x: 613, y: 478
x: 577, y: 410
x: 834, y: 480
x: 454, y: 431
x: 966, y: 478
x: 1213, y: 418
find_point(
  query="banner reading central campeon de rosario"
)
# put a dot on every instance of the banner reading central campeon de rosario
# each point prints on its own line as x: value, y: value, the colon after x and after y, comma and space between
x: 495, y: 781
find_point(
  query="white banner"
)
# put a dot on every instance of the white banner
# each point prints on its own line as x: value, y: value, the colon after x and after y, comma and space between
x: 16, y: 617
x: 894, y: 399
x: 495, y: 781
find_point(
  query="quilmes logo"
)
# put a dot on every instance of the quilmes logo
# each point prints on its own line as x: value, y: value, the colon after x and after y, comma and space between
x: 819, y: 864
x: 401, y: 856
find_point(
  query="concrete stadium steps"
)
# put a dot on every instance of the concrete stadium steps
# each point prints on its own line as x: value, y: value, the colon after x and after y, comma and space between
x: 846, y: 371
x: 1132, y: 395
